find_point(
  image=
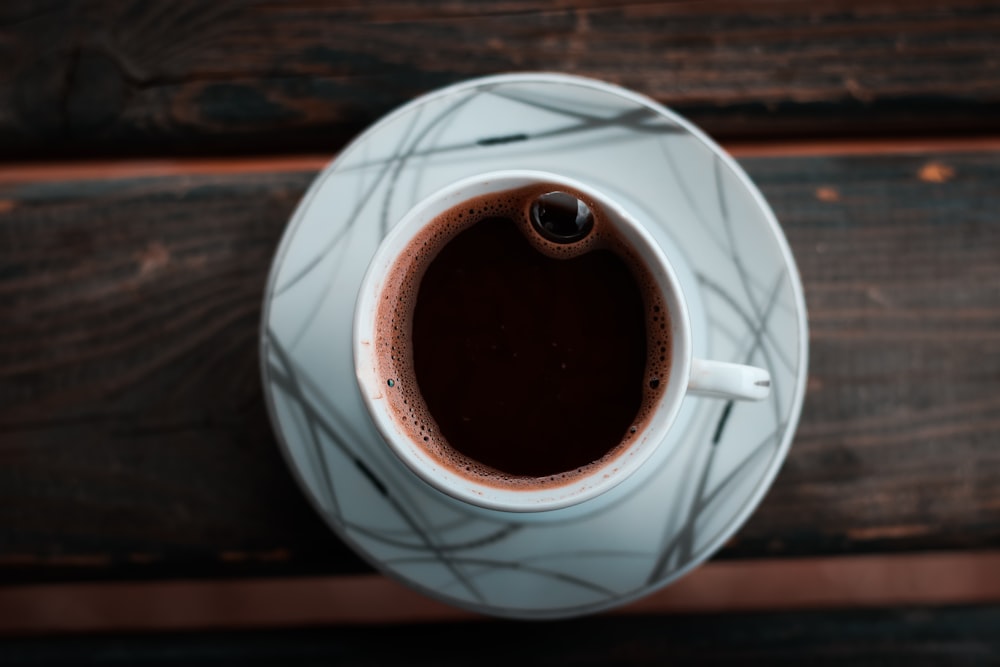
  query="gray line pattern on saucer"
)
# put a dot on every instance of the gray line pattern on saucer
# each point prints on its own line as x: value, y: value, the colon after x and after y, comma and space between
x: 473, y: 559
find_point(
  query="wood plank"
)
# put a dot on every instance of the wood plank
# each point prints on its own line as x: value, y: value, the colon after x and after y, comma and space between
x: 133, y: 434
x: 838, y: 582
x: 133, y: 440
x: 920, y: 636
x: 102, y: 77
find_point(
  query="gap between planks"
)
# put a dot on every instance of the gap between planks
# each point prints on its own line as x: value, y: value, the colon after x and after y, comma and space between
x: 21, y: 172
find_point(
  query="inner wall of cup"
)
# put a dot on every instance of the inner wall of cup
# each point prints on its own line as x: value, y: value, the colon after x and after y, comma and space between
x: 414, y: 455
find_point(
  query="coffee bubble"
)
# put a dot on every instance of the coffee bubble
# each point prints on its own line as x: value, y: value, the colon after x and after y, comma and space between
x: 561, y: 217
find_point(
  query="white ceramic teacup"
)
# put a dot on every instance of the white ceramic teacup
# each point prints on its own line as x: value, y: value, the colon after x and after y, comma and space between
x: 687, y: 375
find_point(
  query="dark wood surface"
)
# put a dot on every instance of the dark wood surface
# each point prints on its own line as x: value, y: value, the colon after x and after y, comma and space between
x: 135, y: 437
x: 135, y: 440
x: 914, y: 637
x: 112, y: 77
x: 134, y: 443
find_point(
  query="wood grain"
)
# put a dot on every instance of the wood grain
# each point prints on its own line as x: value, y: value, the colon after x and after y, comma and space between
x: 106, y: 77
x: 133, y: 440
x: 133, y: 433
x: 897, y: 447
x: 920, y: 636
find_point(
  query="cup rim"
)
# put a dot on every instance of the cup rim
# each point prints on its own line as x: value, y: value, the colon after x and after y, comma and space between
x: 427, y: 467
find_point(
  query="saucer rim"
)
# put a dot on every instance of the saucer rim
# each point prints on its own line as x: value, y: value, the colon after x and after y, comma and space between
x: 763, y: 483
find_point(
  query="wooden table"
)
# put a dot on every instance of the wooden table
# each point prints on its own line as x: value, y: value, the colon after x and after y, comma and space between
x: 150, y: 156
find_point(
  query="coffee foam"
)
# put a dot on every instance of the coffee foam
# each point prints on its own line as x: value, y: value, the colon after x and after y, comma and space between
x: 394, y: 318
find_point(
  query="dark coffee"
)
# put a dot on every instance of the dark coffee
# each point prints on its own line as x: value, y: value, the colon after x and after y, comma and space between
x: 517, y: 357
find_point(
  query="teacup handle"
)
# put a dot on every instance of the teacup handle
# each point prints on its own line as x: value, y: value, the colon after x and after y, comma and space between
x: 720, y: 379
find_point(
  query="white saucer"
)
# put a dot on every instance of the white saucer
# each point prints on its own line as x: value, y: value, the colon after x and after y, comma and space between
x: 737, y: 273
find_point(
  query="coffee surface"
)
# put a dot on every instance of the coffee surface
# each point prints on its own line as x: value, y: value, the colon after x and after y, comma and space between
x: 514, y: 360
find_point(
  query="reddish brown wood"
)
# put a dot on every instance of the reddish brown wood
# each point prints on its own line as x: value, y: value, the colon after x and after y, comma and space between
x: 731, y: 586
